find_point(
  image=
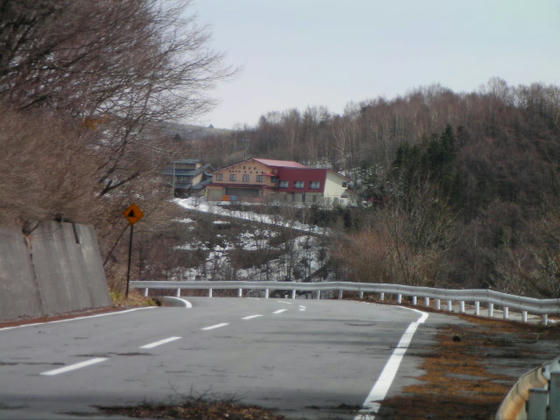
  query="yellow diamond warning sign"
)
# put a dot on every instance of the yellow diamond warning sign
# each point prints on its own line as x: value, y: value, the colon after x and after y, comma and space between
x: 133, y: 214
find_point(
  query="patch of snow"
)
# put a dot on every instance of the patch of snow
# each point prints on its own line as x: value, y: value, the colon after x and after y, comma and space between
x: 186, y: 220
x: 259, y: 239
x: 301, y: 257
x: 193, y: 246
x: 202, y: 205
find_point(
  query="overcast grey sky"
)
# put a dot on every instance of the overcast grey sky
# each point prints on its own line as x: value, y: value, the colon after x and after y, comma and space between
x: 300, y: 53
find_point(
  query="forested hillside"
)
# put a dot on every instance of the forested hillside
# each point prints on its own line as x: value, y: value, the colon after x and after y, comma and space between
x: 462, y: 189
x: 83, y: 86
x: 454, y: 189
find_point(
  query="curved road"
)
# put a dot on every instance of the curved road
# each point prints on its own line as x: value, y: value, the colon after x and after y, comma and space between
x: 306, y: 358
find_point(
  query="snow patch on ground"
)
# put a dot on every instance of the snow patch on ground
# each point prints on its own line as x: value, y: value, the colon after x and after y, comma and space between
x: 186, y: 220
x: 202, y: 205
x: 300, y: 258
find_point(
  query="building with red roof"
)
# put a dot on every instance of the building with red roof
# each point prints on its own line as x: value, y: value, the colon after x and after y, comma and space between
x: 261, y: 180
x: 280, y: 163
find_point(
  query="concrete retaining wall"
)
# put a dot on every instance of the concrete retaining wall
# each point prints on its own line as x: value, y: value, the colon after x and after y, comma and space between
x: 57, y: 269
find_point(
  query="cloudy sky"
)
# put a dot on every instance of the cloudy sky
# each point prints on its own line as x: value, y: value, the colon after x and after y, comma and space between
x: 300, y: 53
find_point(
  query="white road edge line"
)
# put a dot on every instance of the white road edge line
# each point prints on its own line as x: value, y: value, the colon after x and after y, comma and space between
x: 371, y: 406
x: 213, y: 327
x: 160, y: 342
x: 78, y: 318
x: 75, y: 366
x: 246, y: 318
x: 185, y: 302
x: 279, y: 311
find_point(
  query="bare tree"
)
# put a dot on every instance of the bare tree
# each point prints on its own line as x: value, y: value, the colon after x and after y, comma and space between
x: 118, y: 65
x: 83, y: 87
x: 47, y: 169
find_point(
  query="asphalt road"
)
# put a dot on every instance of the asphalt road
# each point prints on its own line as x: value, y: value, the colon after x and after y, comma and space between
x: 306, y: 358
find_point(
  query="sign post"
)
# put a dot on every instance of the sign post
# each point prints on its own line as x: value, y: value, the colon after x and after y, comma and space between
x: 133, y: 215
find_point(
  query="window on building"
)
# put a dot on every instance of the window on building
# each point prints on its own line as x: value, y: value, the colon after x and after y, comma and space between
x: 219, y: 177
x: 245, y: 177
x: 284, y: 184
x: 315, y: 185
x: 260, y: 178
x: 299, y: 184
x: 232, y: 177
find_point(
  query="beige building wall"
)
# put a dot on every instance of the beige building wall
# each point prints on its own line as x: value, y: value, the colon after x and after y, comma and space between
x: 214, y: 193
x: 250, y: 168
x: 333, y: 185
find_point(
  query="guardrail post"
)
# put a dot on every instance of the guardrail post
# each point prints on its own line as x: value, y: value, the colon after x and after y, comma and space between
x: 146, y: 291
x: 240, y: 292
x: 462, y: 306
x: 490, y: 310
x: 293, y: 294
x: 545, y: 319
x: 525, y: 316
x: 382, y: 296
x: 361, y: 294
x: 426, y: 301
x: 340, y: 292
x: 450, y: 305
x: 506, y: 312
x: 438, y: 304
x: 266, y: 293
x: 554, y: 396
x: 414, y: 300
x: 209, y: 292
x: 318, y: 294
x: 399, y: 298
x: 536, y: 407
x: 477, y: 308
x: 178, y: 292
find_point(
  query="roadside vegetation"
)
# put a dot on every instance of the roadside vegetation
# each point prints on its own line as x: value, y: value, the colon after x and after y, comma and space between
x: 196, y: 408
x: 451, y: 189
x: 470, y: 368
x: 208, y: 246
x: 85, y: 87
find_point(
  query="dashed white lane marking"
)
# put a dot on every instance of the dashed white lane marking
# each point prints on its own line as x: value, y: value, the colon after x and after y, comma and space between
x: 371, y: 406
x: 285, y: 302
x: 75, y: 366
x: 279, y: 311
x: 160, y: 342
x: 213, y: 327
x: 78, y: 318
x: 251, y: 317
x: 302, y: 308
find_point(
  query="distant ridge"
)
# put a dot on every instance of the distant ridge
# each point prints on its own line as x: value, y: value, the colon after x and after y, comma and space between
x: 192, y: 132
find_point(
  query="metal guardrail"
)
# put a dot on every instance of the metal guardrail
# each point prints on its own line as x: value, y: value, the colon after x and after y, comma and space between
x: 535, y: 396
x: 525, y: 305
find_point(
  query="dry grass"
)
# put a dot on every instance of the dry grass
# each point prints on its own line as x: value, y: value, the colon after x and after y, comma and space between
x: 135, y: 299
x: 462, y: 377
x: 196, y: 409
